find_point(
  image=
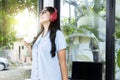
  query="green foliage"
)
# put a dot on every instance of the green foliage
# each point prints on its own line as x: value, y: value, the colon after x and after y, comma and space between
x: 117, y: 32
x: 7, y: 32
x: 68, y: 27
x: 118, y: 58
x: 117, y: 28
x: 98, y: 6
x: 13, y: 7
x: 118, y: 52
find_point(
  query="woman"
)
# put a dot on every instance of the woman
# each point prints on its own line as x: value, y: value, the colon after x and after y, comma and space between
x: 49, y: 49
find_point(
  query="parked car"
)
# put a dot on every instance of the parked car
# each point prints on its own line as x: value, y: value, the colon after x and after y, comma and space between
x: 3, y: 63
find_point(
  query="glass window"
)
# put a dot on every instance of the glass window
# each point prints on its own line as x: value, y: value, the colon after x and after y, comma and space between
x: 84, y: 25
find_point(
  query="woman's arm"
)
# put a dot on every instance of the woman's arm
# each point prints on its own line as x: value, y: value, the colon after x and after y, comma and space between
x: 63, y: 65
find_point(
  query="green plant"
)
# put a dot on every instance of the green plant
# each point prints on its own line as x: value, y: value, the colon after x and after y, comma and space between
x: 118, y: 58
x: 117, y: 35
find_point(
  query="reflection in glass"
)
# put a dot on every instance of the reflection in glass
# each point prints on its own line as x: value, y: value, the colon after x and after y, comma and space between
x: 84, y: 25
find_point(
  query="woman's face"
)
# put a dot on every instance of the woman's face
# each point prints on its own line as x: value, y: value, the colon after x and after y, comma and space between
x: 44, y: 16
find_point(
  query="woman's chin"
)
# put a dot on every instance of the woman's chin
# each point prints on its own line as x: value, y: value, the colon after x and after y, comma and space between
x: 42, y: 22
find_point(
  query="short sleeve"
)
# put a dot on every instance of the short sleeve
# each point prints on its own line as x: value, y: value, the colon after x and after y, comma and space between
x: 60, y: 41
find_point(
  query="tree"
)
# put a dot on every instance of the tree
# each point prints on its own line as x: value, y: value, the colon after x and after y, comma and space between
x: 8, y: 9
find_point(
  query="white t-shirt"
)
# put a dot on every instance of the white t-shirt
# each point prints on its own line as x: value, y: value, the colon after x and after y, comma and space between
x: 45, y: 67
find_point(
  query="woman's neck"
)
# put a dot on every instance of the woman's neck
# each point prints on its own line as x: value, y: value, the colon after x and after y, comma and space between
x: 46, y: 27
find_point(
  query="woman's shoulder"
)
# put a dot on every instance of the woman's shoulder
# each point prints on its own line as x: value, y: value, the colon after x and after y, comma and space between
x: 59, y: 32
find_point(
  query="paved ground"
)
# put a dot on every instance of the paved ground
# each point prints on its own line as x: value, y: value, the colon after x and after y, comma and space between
x: 17, y: 73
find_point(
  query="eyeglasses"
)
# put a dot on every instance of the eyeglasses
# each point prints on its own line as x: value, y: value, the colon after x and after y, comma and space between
x: 43, y: 12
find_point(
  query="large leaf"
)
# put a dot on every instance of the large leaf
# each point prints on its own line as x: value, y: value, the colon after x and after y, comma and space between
x: 95, y: 24
x: 91, y: 21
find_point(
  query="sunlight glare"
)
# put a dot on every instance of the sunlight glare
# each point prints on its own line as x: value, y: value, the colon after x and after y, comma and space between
x: 27, y: 24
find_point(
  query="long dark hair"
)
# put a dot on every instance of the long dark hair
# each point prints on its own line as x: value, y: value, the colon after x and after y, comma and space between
x: 53, y: 27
